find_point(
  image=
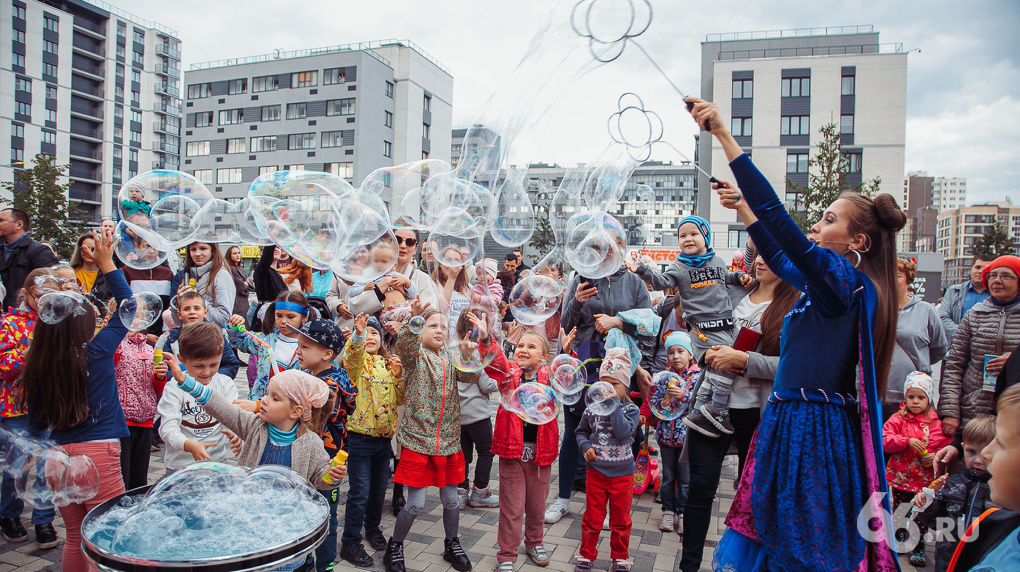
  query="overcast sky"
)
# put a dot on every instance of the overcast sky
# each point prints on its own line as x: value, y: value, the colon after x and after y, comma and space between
x: 963, y: 107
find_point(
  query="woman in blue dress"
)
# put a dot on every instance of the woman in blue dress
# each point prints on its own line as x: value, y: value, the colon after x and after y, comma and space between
x: 816, y: 463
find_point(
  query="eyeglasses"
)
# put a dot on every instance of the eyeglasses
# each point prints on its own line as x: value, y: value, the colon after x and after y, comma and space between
x: 1005, y: 277
x: 410, y: 242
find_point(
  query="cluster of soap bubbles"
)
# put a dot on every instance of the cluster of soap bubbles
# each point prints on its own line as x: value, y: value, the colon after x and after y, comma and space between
x: 538, y: 403
x: 665, y: 407
x: 44, y: 474
x: 209, y: 510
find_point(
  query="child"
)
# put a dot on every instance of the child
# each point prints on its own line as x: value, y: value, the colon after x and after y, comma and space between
x: 476, y: 430
x: 139, y: 386
x: 701, y: 277
x: 671, y: 435
x: 291, y: 308
x: 429, y: 434
x: 204, y: 264
x: 394, y: 300
x: 70, y: 360
x: 319, y: 343
x: 487, y: 290
x: 911, y: 436
x: 964, y: 496
x: 380, y: 390
x: 16, y: 328
x: 191, y: 309
x: 605, y: 441
x: 189, y: 431
x: 526, y: 454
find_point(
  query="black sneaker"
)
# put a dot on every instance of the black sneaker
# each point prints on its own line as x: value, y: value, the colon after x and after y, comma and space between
x: 46, y: 536
x: 13, y: 530
x: 376, y: 539
x: 720, y: 419
x: 456, y: 556
x: 701, y: 424
x: 356, y: 555
x: 917, y: 557
x: 394, y: 559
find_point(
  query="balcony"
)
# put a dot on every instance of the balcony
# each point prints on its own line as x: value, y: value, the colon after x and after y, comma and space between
x: 166, y: 148
x: 165, y: 50
x: 161, y: 165
x: 95, y: 135
x: 164, y: 89
x: 82, y: 108
x: 95, y: 93
x: 90, y: 196
x: 94, y: 156
x: 168, y: 128
x: 95, y: 73
x: 168, y: 70
x: 90, y: 29
x: 87, y: 175
x: 166, y: 107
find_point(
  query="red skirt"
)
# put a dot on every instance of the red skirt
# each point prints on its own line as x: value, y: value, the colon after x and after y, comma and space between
x: 419, y: 471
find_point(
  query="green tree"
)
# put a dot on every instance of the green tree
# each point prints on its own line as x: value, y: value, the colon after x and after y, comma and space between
x: 39, y: 193
x: 995, y: 242
x: 544, y: 239
x: 826, y: 181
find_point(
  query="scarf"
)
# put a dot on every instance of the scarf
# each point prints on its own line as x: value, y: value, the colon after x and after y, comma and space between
x: 697, y: 260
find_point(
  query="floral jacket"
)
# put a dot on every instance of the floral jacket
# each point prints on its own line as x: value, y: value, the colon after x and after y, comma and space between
x: 904, y: 469
x: 264, y: 361
x: 379, y: 392
x: 16, y: 327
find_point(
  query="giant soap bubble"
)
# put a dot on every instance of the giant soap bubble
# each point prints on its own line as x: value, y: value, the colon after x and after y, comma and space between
x: 665, y: 407
x: 513, y: 218
x: 457, y: 238
x: 136, y: 252
x: 533, y: 402
x: 403, y: 186
x: 535, y: 299
x: 368, y: 248
x: 602, y: 398
x: 44, y: 474
x: 595, y: 244
x: 466, y: 345
x: 140, y: 311
x: 161, y: 207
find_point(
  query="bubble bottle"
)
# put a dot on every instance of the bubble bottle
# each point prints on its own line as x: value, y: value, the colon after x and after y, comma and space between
x: 338, y: 460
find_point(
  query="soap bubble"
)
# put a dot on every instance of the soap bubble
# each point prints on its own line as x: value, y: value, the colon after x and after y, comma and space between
x: 55, y: 307
x: 140, y: 311
x: 667, y: 408
x: 602, y: 398
x: 457, y: 238
x: 416, y: 325
x: 402, y: 184
x: 299, y: 185
x: 248, y: 229
x: 535, y: 299
x: 309, y: 229
x: 465, y: 345
x: 645, y: 194
x: 567, y: 375
x: 220, y: 221
x: 533, y: 402
x: 45, y: 475
x: 369, y: 248
x: 513, y: 220
x: 136, y: 252
x: 445, y: 191
x: 161, y: 206
x: 595, y: 244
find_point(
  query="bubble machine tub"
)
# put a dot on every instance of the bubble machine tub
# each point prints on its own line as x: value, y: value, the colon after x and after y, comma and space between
x: 209, y: 517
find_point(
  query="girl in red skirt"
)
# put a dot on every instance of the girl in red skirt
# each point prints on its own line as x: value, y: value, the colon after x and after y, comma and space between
x: 429, y: 434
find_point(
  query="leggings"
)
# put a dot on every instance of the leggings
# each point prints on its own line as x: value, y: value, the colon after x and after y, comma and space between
x: 416, y: 505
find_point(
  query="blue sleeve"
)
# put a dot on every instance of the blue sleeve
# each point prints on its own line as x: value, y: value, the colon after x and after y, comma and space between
x: 200, y: 392
x: 108, y: 339
x: 175, y: 282
x: 829, y: 278
x: 229, y: 364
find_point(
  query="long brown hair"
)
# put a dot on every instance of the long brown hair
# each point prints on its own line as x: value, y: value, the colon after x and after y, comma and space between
x: 297, y: 271
x: 217, y: 265
x: 879, y: 219
x: 460, y: 285
x: 229, y: 260
x: 317, y: 423
x: 76, y: 260
x: 54, y: 377
x: 784, y: 297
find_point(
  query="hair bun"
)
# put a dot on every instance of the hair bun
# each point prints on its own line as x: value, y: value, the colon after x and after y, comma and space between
x: 888, y: 213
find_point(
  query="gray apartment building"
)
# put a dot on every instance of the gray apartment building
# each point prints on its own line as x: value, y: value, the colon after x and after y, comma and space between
x: 92, y: 85
x: 346, y: 110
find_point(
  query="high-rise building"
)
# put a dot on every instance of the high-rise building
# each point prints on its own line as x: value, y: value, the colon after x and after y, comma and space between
x: 949, y: 193
x: 92, y: 85
x: 959, y: 229
x: 919, y: 205
x: 347, y: 110
x: 778, y: 87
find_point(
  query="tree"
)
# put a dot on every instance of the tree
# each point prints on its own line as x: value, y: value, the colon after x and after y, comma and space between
x: 826, y: 181
x: 544, y: 239
x: 995, y: 242
x: 38, y: 192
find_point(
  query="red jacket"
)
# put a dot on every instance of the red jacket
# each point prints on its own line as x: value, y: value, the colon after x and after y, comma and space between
x: 904, y: 470
x: 508, y: 435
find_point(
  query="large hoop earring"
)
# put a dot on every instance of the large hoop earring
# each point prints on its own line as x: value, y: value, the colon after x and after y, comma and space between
x: 858, y: 263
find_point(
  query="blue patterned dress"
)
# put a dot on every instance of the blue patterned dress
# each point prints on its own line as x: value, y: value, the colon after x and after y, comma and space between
x: 815, y: 462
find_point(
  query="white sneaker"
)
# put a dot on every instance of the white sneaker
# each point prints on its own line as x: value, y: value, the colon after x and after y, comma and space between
x: 505, y: 567
x: 462, y: 497
x: 557, y: 510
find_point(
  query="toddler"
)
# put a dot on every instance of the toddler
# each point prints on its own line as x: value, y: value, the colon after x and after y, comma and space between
x: 191, y: 309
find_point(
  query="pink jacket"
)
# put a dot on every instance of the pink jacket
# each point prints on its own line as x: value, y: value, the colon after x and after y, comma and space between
x: 137, y: 386
x: 904, y: 470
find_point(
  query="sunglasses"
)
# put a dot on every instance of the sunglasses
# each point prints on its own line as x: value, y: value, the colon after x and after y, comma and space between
x: 410, y: 242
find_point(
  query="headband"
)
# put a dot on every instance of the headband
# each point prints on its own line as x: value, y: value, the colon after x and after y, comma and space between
x: 291, y: 306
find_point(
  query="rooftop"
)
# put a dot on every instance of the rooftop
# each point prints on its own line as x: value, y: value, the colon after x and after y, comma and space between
x: 128, y: 16
x: 791, y: 33
x: 366, y: 47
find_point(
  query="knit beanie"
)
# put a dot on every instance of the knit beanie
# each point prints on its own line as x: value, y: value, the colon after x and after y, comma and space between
x: 682, y: 339
x: 616, y: 366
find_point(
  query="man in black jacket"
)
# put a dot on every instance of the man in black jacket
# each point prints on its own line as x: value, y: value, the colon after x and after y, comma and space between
x: 21, y: 254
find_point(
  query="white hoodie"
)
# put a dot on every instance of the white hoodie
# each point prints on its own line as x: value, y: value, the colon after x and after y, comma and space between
x: 184, y: 419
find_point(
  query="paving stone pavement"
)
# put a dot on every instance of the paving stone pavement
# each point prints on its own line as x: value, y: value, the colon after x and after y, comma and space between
x: 650, y: 549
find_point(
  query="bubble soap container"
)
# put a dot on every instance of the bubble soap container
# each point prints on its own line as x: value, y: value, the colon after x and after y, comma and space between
x: 209, y: 517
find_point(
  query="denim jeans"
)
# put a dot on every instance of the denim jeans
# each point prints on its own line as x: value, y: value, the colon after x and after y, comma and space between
x: 368, y: 475
x: 676, y: 478
x: 572, y: 466
x: 325, y: 553
x: 10, y: 504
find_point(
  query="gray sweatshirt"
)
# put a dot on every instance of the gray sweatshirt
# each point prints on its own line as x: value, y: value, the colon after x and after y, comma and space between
x: 474, y: 399
x: 920, y: 343
x: 621, y: 291
x: 611, y: 436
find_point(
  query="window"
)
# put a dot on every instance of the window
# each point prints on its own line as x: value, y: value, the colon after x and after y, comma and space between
x: 119, y: 72
x: 267, y: 169
x: 196, y: 148
x: 118, y: 111
x: 49, y: 69
x: 297, y: 110
x: 18, y: 60
x: 49, y: 46
x: 271, y: 113
x: 427, y: 104
x: 118, y: 132
x: 344, y: 170
x: 743, y: 89
x: 116, y: 172
x: 203, y: 119
x: 236, y: 145
x: 133, y: 155
x: 137, y: 58
x: 199, y: 90
x: 265, y: 83
x: 120, y: 51
x: 231, y: 116
x: 332, y: 139
x: 388, y: 119
x: 136, y: 76
x: 51, y: 92
x: 848, y: 86
x: 797, y: 125
x: 204, y: 176
x: 224, y: 176
x: 846, y: 124
x: 50, y: 23
x: 51, y: 115
x: 19, y: 36
x: 797, y: 163
x: 17, y: 130
x: 22, y: 108
x: 740, y: 126
x: 19, y: 12
x: 425, y: 130
x: 49, y: 137
x: 797, y: 87
x: 132, y: 173
x: 293, y: 167
x: 340, y: 106
x: 852, y: 162
x: 261, y: 144
x: 387, y: 149
x: 136, y: 99
x: 332, y: 76
x: 301, y: 141
x: 22, y: 84
x: 389, y: 89
x: 304, y: 79
x: 136, y: 136
x: 237, y: 86
x: 117, y: 153
x: 136, y: 116
x: 17, y: 156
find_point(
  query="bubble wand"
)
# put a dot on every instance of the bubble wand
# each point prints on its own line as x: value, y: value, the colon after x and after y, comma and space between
x: 260, y: 341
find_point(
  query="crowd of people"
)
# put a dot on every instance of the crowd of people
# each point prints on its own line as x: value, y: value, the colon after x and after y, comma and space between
x: 813, y: 360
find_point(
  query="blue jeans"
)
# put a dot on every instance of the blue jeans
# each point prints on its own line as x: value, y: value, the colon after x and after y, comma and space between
x: 325, y: 553
x: 572, y: 466
x: 368, y: 475
x: 676, y: 477
x: 10, y: 504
